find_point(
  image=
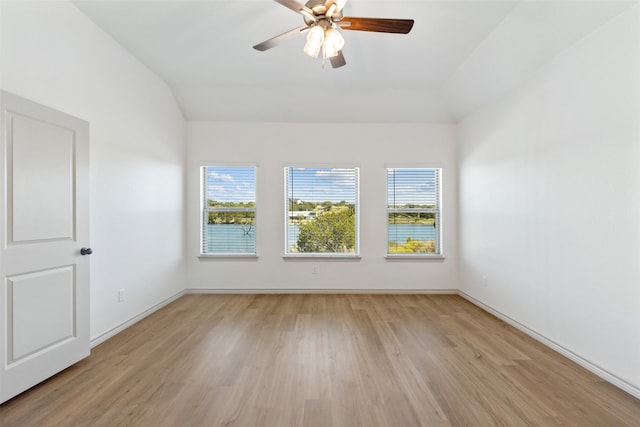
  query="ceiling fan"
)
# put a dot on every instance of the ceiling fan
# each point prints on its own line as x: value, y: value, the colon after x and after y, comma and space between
x: 322, y: 18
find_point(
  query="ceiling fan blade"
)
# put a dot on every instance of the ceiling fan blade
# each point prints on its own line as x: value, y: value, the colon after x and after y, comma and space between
x: 338, y: 61
x: 379, y: 25
x: 294, y: 5
x: 275, y: 41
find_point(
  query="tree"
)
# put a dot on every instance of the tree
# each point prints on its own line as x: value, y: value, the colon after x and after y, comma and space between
x: 333, y: 231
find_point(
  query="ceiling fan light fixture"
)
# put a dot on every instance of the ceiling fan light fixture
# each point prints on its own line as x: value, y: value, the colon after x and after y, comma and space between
x: 333, y: 43
x: 315, y: 40
x: 328, y: 52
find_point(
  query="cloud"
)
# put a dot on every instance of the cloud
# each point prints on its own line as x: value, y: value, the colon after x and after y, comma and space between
x: 323, y: 184
x: 221, y: 177
x: 230, y: 184
x: 337, y: 176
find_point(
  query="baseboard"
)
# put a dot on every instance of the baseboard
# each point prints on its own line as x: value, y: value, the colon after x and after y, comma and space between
x: 124, y: 325
x: 597, y: 370
x: 324, y: 291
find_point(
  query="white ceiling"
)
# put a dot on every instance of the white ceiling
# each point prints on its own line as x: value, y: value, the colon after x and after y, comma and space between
x: 458, y: 55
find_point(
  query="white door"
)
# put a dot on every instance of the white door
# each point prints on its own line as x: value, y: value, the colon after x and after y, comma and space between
x: 44, y: 213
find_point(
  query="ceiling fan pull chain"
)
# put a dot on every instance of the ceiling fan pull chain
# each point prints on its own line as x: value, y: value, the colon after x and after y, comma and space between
x: 324, y: 55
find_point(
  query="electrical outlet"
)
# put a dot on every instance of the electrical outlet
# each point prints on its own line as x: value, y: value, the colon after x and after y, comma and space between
x: 314, y: 269
x: 484, y: 281
x: 121, y: 295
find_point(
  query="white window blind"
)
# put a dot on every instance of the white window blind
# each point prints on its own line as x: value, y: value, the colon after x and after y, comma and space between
x: 413, y: 211
x: 228, y: 210
x: 321, y: 211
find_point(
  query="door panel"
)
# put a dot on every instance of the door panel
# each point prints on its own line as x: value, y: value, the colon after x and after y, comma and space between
x: 41, y: 177
x: 41, y: 311
x: 44, y: 208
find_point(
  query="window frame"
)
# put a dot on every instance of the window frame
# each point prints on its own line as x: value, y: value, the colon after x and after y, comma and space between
x: 204, y: 210
x: 332, y: 255
x: 437, y: 211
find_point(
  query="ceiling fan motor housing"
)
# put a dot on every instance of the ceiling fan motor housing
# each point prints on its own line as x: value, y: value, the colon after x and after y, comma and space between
x: 319, y: 12
x: 318, y: 7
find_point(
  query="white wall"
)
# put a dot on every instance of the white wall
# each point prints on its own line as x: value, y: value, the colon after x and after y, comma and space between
x: 520, y: 44
x: 274, y: 146
x: 54, y: 55
x: 549, y: 191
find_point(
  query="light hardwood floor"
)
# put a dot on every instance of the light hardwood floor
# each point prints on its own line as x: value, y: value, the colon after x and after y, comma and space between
x: 322, y: 360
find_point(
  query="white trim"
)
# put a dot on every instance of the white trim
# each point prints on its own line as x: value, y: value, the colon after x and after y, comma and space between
x: 322, y: 165
x: 357, y: 175
x: 228, y: 255
x: 414, y: 165
x: 215, y: 163
x: 203, y: 207
x: 324, y: 291
x: 590, y: 366
x: 329, y: 255
x: 135, y: 319
x: 437, y: 211
x: 416, y: 257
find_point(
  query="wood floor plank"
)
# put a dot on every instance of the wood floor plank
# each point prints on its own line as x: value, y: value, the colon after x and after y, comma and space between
x: 322, y: 360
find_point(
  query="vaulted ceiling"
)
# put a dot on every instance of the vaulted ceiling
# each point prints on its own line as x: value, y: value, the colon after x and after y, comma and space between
x: 459, y: 55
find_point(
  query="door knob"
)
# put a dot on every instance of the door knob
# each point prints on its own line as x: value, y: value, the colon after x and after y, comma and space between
x: 86, y: 251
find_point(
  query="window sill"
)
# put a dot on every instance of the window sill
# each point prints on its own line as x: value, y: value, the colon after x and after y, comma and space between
x: 227, y: 256
x: 405, y: 257
x: 328, y: 257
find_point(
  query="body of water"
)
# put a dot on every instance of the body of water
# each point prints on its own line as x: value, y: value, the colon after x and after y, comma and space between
x: 399, y: 233
x: 230, y: 238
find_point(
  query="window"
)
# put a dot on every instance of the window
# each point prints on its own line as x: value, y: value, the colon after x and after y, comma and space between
x: 321, y: 211
x: 413, y: 211
x: 228, y: 210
